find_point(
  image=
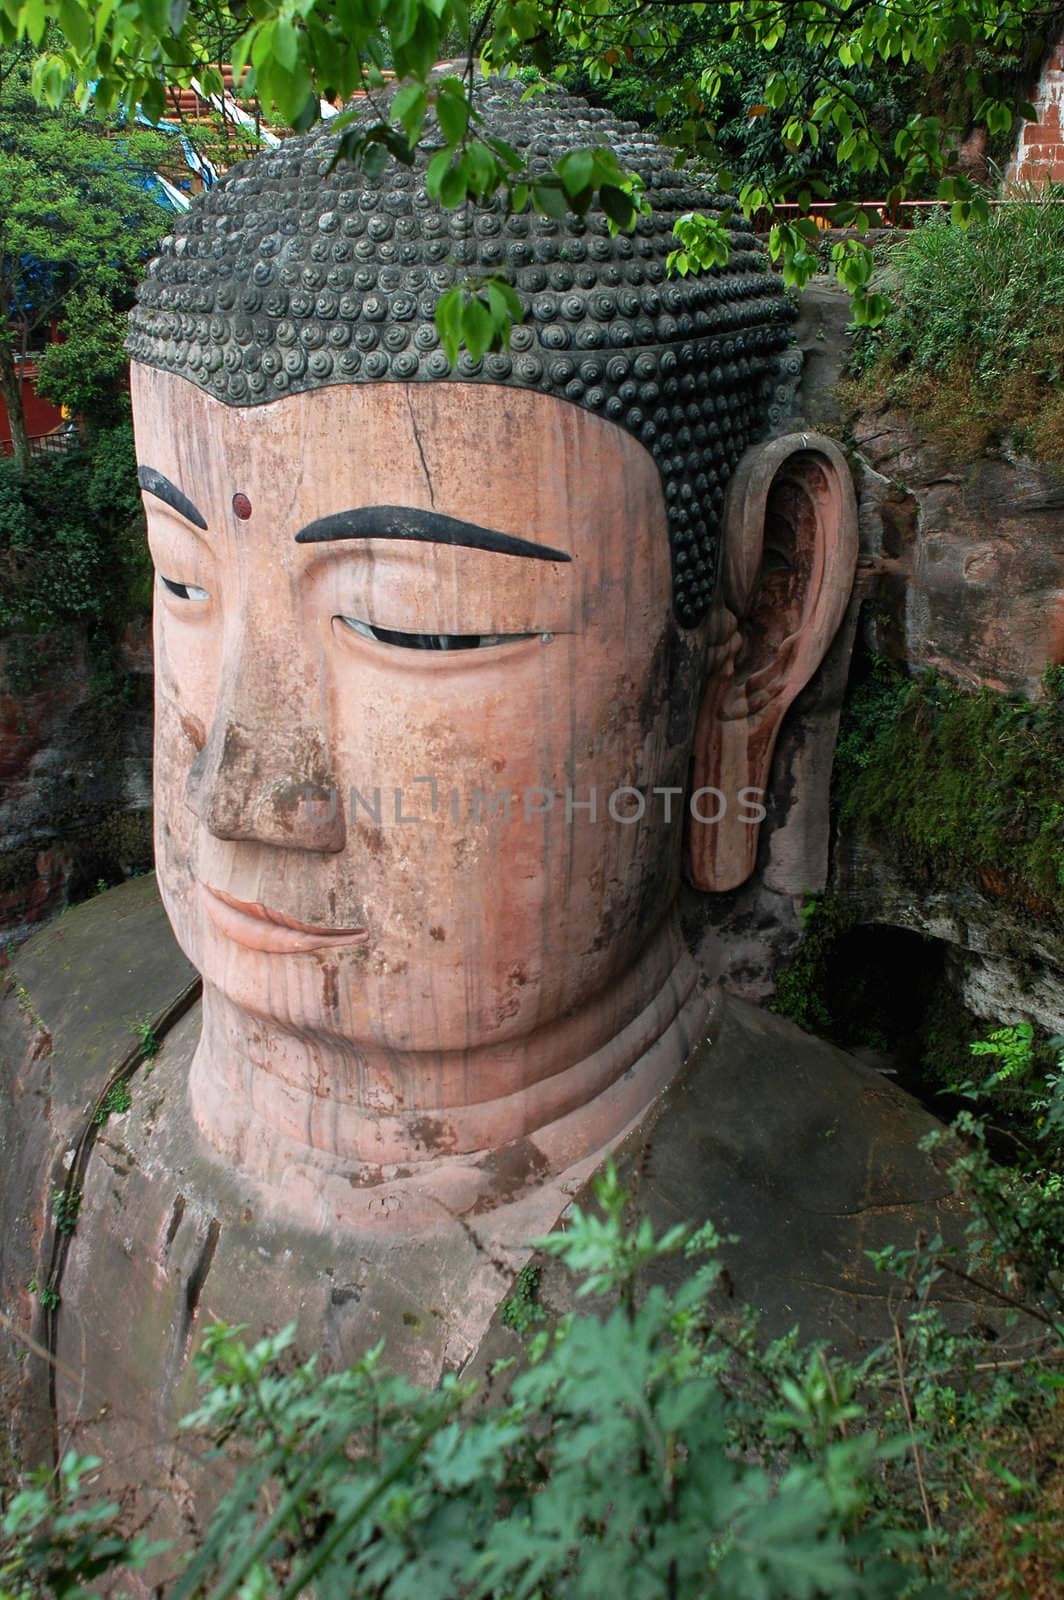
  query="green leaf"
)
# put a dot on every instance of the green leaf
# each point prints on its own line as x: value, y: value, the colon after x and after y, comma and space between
x: 374, y: 159
x: 409, y: 107
x: 76, y: 25
x: 453, y: 188
x: 576, y: 170
x: 506, y: 308
x: 478, y: 327
x: 449, y: 322
x: 618, y: 206
x: 482, y: 173
x: 34, y: 20
x: 549, y: 200
x: 153, y: 101
x: 436, y: 171
x: 452, y: 113
x: 286, y: 43
x: 261, y: 45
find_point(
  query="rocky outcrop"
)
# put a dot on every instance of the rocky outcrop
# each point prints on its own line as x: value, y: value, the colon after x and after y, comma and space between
x: 75, y: 773
x: 970, y: 557
x: 963, y: 575
x: 1004, y: 965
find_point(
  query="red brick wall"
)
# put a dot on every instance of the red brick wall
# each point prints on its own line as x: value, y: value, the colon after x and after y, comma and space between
x: 1040, y: 152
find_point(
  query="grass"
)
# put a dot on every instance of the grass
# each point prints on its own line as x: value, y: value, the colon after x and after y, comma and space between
x: 974, y: 345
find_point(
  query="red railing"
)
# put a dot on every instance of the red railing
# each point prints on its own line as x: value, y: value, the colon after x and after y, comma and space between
x: 903, y: 214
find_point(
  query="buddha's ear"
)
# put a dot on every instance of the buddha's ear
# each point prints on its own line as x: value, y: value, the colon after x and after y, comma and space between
x: 789, y: 554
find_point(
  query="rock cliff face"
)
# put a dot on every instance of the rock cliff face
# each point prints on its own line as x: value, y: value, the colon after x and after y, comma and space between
x: 75, y: 774
x: 1003, y: 964
x: 970, y: 557
x: 963, y: 574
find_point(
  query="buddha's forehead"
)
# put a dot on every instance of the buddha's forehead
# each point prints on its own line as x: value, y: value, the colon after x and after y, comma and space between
x: 523, y: 464
x: 298, y: 272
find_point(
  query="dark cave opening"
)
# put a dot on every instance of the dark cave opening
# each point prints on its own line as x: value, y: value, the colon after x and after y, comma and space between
x: 893, y: 997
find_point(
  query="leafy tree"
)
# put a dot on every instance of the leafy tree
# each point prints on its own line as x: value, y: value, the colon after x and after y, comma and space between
x: 76, y: 226
x: 84, y: 370
x: 742, y: 134
x: 72, y: 546
x: 298, y: 53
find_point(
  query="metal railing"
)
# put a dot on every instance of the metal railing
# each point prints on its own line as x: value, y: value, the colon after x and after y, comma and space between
x: 56, y: 443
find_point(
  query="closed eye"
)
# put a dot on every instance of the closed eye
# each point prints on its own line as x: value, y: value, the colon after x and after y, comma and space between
x: 184, y: 591
x: 432, y: 641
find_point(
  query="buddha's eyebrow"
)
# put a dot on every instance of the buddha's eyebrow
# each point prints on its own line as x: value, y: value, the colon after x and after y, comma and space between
x: 153, y: 482
x: 425, y: 527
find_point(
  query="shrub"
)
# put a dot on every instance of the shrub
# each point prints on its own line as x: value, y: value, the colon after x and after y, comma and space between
x: 974, y: 343
x: 650, y: 1448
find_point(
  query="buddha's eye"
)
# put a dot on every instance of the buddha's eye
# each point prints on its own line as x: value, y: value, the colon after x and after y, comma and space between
x: 432, y: 641
x: 184, y: 591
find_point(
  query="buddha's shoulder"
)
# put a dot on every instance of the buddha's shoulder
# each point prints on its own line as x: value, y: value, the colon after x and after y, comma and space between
x: 82, y: 993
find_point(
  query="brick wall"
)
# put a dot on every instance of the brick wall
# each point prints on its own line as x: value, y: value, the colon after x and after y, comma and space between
x: 1040, y: 151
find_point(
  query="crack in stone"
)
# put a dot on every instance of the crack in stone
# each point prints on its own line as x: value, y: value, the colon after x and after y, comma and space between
x: 420, y: 449
x: 878, y: 1209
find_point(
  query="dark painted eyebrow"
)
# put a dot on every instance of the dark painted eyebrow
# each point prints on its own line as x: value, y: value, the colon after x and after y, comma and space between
x: 425, y: 527
x: 153, y: 482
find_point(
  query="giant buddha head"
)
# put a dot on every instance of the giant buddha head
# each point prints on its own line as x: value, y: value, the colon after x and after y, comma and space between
x: 459, y: 669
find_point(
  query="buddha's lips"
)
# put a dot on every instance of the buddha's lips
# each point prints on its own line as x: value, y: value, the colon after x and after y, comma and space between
x: 261, y: 928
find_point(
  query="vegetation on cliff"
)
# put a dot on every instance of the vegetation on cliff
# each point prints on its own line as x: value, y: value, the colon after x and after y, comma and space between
x: 959, y: 786
x: 973, y: 346
x: 961, y: 791
x: 74, y: 574
x: 72, y: 546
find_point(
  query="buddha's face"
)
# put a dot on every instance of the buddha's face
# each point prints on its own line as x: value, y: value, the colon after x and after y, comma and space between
x: 379, y: 610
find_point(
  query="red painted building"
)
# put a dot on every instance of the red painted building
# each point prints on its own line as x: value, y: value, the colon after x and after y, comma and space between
x: 42, y: 418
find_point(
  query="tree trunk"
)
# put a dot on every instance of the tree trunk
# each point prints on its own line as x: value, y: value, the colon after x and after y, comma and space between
x: 11, y: 391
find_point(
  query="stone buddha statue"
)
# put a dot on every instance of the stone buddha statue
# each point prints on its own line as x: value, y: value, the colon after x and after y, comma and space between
x: 468, y: 680
x: 459, y: 669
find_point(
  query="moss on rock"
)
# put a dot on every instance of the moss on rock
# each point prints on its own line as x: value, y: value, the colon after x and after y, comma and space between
x: 963, y: 787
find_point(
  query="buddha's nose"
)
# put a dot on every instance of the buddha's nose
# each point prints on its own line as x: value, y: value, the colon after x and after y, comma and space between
x: 265, y: 773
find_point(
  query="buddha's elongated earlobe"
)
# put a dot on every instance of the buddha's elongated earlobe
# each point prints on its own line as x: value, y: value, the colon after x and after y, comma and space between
x: 790, y: 550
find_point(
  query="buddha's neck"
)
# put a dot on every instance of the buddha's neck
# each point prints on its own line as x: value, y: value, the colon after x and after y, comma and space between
x: 258, y: 1090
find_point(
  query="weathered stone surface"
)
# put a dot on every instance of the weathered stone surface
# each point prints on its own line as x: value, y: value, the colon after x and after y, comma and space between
x: 1006, y: 966
x: 826, y: 1168
x: 778, y: 1137
x: 73, y: 808
x: 972, y: 555
x: 66, y: 1019
x: 824, y: 315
